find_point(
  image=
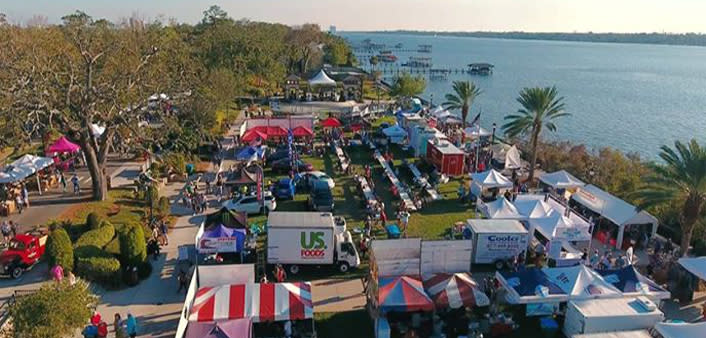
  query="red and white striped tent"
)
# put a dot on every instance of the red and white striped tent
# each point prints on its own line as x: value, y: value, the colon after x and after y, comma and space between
x: 454, y: 290
x: 259, y: 302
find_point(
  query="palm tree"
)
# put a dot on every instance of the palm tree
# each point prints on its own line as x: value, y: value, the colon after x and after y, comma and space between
x: 465, y: 93
x: 681, y: 179
x: 540, y: 108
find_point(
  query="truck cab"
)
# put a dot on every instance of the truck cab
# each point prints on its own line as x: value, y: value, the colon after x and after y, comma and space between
x: 346, y: 255
x: 23, y: 252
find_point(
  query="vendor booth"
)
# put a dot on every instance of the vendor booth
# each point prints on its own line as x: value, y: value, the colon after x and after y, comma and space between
x: 447, y: 159
x: 530, y: 286
x: 679, y: 330
x: 258, y: 302
x: 501, y: 208
x: 489, y: 181
x: 235, y: 328
x: 580, y: 282
x: 331, y: 122
x: 530, y: 208
x: 223, y: 238
x: 631, y: 283
x: 63, y: 145
x: 396, y: 134
x: 695, y: 265
x: 454, y: 291
x: 561, y: 180
x: 622, y: 214
x: 419, y: 137
x: 557, y: 233
x: 402, y: 294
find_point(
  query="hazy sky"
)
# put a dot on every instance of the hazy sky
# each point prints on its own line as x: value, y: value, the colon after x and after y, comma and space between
x: 451, y: 15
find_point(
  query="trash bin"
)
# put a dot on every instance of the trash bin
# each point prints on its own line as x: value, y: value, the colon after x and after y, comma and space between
x: 549, y: 327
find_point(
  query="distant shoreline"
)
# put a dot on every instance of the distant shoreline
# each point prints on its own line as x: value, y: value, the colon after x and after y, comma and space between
x: 686, y: 39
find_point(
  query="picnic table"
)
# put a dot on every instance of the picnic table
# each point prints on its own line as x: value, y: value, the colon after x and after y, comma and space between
x: 423, y: 182
x: 402, y: 192
x: 342, y: 160
x: 367, y: 191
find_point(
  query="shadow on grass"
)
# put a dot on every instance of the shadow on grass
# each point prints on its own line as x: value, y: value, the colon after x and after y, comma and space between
x: 351, y: 324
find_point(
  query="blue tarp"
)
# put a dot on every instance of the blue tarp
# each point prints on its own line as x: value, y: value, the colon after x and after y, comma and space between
x: 250, y: 153
x: 627, y: 279
x: 526, y: 282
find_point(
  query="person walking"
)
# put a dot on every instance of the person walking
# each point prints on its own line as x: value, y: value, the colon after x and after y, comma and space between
x: 183, y: 281
x: 164, y: 228
x: 6, y: 232
x: 118, y: 326
x: 131, y: 325
x: 74, y: 181
x: 19, y: 203
x: 62, y: 180
x: 280, y: 274
x: 25, y: 195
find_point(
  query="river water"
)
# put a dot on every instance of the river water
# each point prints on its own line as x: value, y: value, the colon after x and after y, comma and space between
x: 632, y: 97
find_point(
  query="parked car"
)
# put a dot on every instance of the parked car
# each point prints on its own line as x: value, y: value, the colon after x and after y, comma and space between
x: 23, y: 252
x: 285, y: 165
x: 250, y: 205
x: 276, y: 155
x: 285, y: 189
x: 320, y: 197
x: 315, y: 176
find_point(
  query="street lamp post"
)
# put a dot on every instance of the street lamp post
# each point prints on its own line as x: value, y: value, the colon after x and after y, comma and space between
x: 492, y: 138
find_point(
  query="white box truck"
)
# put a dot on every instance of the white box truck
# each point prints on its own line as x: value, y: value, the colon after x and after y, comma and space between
x: 309, y: 238
x: 609, y: 315
x: 495, y: 241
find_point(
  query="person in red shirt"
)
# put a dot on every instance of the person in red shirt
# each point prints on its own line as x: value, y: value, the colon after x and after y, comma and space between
x: 280, y: 275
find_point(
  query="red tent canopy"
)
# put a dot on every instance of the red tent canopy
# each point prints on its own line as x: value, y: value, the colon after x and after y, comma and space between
x: 253, y: 134
x: 454, y: 291
x: 63, y: 145
x: 276, y: 131
x: 302, y: 131
x: 331, y: 122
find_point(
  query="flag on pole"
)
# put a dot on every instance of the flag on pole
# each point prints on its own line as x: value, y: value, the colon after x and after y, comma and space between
x: 475, y: 119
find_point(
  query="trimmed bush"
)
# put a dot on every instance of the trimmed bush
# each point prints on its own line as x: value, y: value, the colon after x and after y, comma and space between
x: 163, y: 207
x: 98, y: 237
x: 133, y: 247
x: 93, y: 221
x: 59, y: 249
x: 113, y: 247
x: 152, y: 195
x: 103, y: 268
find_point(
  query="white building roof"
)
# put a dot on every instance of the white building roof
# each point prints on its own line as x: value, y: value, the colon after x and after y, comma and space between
x: 500, y: 226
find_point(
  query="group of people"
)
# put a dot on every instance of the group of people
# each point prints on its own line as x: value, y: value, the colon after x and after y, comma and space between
x: 122, y: 328
x: 280, y: 275
x: 192, y: 198
x: 9, y: 230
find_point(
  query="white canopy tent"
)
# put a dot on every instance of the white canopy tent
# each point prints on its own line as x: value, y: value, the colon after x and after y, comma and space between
x: 97, y: 130
x: 12, y: 174
x: 24, y: 167
x: 614, y: 209
x: 501, y: 208
x: 580, y: 282
x: 489, y: 179
x: 476, y: 131
x: 561, y: 180
x: 680, y: 330
x: 396, y: 134
x: 533, y: 208
x: 559, y: 227
x: 321, y: 79
x: 512, y: 159
x: 695, y: 265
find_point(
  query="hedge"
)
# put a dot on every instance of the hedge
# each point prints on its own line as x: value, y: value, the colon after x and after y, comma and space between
x: 59, y: 249
x: 113, y: 247
x: 103, y: 268
x: 163, y: 207
x: 133, y: 247
x: 98, y: 237
x: 93, y: 222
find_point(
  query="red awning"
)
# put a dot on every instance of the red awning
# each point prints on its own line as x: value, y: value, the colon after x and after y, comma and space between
x: 331, y: 123
x: 252, y: 135
x: 276, y: 131
x: 302, y: 131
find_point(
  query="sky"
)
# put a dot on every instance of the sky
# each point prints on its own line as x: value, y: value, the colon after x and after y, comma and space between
x: 673, y: 16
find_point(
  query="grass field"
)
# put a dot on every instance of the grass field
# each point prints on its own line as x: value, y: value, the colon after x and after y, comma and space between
x: 352, y: 324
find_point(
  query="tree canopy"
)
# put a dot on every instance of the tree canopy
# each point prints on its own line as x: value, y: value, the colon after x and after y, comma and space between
x: 64, y: 78
x: 406, y: 85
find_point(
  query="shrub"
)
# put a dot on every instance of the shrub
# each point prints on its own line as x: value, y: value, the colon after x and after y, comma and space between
x: 152, y: 195
x: 59, y: 249
x: 133, y: 248
x: 113, y: 247
x: 103, y: 267
x: 144, y: 270
x: 54, y: 311
x: 699, y: 248
x: 177, y: 162
x: 99, y: 237
x: 93, y: 221
x: 163, y: 207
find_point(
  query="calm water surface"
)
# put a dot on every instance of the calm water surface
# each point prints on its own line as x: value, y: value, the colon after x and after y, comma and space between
x: 627, y: 96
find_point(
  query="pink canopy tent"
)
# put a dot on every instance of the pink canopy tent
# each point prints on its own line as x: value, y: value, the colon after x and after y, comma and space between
x: 237, y: 328
x: 63, y: 145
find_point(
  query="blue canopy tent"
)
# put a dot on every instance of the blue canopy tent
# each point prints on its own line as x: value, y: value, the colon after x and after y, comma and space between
x: 631, y: 283
x: 222, y: 239
x: 530, y: 286
x: 250, y: 153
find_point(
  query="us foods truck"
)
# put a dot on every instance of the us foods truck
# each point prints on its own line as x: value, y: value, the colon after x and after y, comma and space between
x: 495, y: 241
x: 309, y: 238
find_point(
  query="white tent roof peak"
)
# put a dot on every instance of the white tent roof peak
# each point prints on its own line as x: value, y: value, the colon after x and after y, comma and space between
x: 491, y: 179
x: 512, y: 159
x: 611, y: 207
x: 476, y: 131
x: 501, y: 209
x: 580, y: 282
x: 534, y: 208
x: 321, y: 79
x: 561, y: 179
